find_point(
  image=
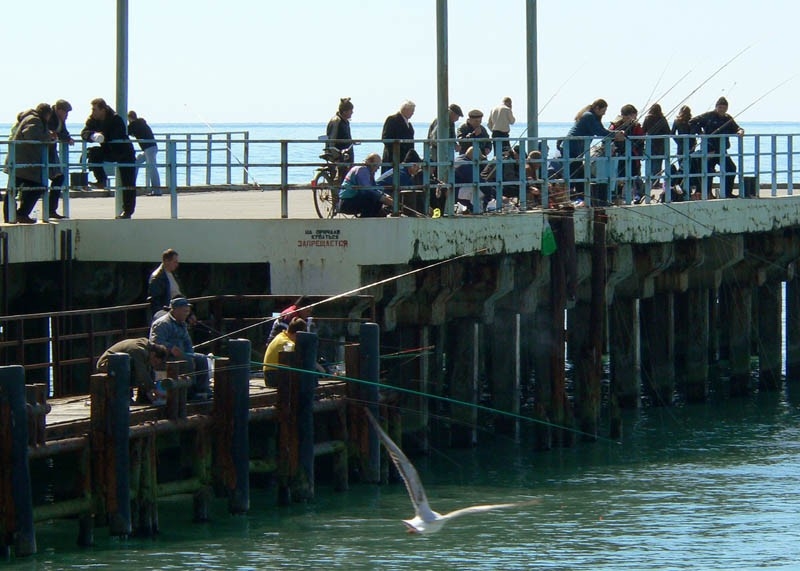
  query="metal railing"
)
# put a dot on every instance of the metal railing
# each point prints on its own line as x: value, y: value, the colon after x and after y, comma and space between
x: 61, y: 348
x: 195, y: 160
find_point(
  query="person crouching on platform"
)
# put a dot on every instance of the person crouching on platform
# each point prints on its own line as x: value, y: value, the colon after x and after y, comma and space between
x: 360, y: 195
x: 283, y: 341
x: 145, y: 358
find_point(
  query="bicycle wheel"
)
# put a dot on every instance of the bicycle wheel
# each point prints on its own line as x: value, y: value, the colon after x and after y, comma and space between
x: 326, y: 195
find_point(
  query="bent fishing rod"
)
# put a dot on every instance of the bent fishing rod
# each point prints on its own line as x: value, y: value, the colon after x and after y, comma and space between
x: 351, y: 292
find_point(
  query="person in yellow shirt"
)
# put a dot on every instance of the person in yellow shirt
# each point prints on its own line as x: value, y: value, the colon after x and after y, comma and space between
x: 284, y: 341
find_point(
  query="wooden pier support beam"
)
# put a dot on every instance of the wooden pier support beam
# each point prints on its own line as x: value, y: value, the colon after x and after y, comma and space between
x: 735, y: 311
x: 504, y: 373
x: 16, y: 498
x: 370, y: 370
x: 692, y: 320
x: 657, y: 322
x: 236, y: 388
x: 793, y: 328
x: 463, y: 372
x: 768, y: 299
x: 110, y: 429
x: 589, y: 319
x: 623, y: 342
x: 307, y: 343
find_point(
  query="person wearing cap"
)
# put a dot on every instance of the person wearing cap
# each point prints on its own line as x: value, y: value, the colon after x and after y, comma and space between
x: 465, y: 181
x: 171, y: 331
x: 718, y: 122
x: 360, y: 195
x: 58, y: 173
x: 409, y: 169
x: 455, y: 113
x: 145, y: 358
x: 397, y: 126
x: 500, y: 120
x: 473, y: 129
x: 138, y: 128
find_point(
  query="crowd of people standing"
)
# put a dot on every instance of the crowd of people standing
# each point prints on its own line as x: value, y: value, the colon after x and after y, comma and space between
x: 35, y: 138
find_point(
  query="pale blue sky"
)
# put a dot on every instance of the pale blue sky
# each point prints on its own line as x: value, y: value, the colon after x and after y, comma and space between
x: 290, y: 61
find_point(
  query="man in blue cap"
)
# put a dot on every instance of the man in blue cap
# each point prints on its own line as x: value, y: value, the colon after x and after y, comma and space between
x: 170, y: 330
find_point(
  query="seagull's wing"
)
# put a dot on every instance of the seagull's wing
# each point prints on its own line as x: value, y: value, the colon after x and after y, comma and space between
x: 407, y: 471
x: 487, y: 508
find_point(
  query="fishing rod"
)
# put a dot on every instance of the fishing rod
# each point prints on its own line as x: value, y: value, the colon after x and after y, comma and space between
x: 560, y: 87
x: 719, y: 69
x: 652, y: 91
x: 250, y: 176
x: 352, y: 292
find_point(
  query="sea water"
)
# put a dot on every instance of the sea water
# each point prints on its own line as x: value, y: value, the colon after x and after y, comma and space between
x: 709, y: 487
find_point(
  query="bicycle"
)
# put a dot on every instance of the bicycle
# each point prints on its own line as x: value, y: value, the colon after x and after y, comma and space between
x: 327, y: 180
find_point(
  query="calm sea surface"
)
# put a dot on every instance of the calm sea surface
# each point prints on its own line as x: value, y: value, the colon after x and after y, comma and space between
x: 259, y: 165
x: 696, y: 487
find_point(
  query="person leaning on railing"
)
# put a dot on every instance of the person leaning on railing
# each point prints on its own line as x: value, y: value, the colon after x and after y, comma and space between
x: 106, y: 127
x: 30, y: 140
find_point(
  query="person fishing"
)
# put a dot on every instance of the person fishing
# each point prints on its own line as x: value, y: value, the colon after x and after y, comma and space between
x: 718, y: 122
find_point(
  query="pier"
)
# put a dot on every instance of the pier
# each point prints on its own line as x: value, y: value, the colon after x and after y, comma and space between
x: 680, y: 299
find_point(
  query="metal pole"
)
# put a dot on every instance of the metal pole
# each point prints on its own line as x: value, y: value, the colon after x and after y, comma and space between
x: 445, y: 153
x: 533, y: 88
x: 122, y: 58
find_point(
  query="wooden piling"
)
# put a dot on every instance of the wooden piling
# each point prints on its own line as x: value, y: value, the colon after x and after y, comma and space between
x: 110, y: 425
x: 793, y: 329
x: 563, y: 284
x: 769, y: 298
x: 370, y: 369
x: 287, y: 382
x: 16, y: 497
x: 176, y: 387
x: 463, y: 372
x: 736, y: 300
x: 238, y: 382
x: 693, y: 318
x: 306, y: 346
x: 504, y: 370
x: 657, y: 323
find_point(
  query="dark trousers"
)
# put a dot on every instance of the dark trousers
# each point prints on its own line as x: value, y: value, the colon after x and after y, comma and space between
x: 55, y: 192
x: 504, y: 142
x: 98, y: 155
x: 726, y: 189
x: 27, y: 193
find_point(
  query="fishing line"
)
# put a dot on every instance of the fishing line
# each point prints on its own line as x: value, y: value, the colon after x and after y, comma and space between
x: 229, y: 149
x: 450, y: 400
x: 351, y: 292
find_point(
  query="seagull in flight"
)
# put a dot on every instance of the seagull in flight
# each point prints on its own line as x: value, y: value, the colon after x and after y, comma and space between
x: 426, y: 520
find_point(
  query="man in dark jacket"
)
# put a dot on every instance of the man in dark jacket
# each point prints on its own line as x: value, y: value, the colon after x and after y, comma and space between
x: 106, y: 127
x: 30, y: 140
x: 138, y: 127
x: 163, y: 285
x: 718, y: 122
x: 397, y: 126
